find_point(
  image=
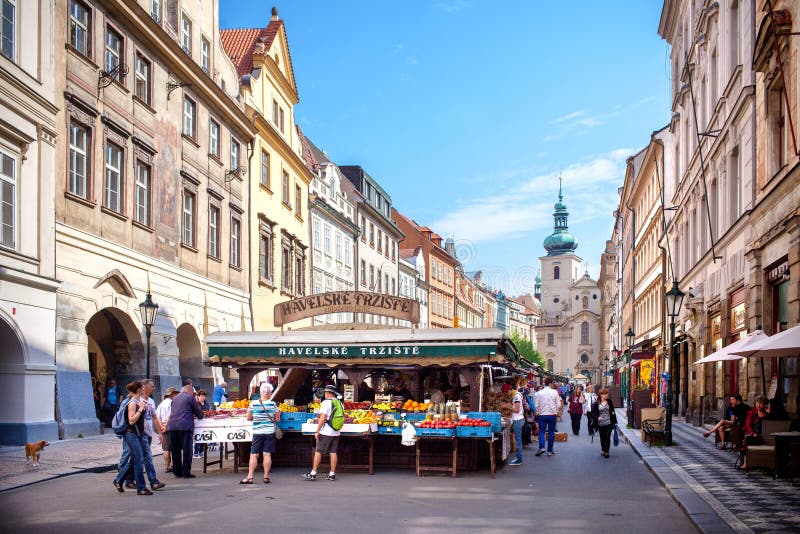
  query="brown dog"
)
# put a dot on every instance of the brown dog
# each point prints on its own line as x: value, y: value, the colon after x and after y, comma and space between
x: 33, y: 450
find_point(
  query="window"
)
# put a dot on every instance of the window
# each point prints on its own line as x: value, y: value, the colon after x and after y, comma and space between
x: 8, y: 29
x: 551, y: 340
x: 327, y: 240
x: 300, y: 273
x: 348, y: 253
x: 79, y: 25
x: 213, y: 231
x: 280, y: 119
x: 213, y: 138
x: 584, y: 333
x: 275, y: 108
x: 298, y: 200
x: 371, y: 277
x: 371, y: 234
x: 155, y: 10
x: 142, y: 82
x: 584, y: 359
x: 113, y: 186
x: 286, y: 266
x: 317, y: 239
x: 338, y: 247
x: 735, y: 186
x: 585, y: 303
x: 188, y: 217
x: 363, y: 228
x: 78, y: 160
x: 189, y: 114
x: 265, y: 169
x: 186, y: 34
x: 204, y: 54
x: 113, y: 53
x: 285, y: 187
x: 556, y: 272
x: 265, y: 248
x: 380, y: 240
x: 386, y: 282
x: 386, y: 245
x: 234, y: 154
x: 363, y: 273
x: 8, y: 200
x: 141, y: 194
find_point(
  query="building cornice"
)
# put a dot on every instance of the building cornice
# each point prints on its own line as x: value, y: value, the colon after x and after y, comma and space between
x: 319, y: 203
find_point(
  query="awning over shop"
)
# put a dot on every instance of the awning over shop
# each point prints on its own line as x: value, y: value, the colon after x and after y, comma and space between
x: 643, y: 355
x: 365, y: 348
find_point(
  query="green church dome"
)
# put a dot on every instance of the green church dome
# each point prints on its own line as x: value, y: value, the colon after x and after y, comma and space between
x: 561, y: 241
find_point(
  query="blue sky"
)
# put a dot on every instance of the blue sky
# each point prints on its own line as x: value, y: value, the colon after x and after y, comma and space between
x: 467, y: 110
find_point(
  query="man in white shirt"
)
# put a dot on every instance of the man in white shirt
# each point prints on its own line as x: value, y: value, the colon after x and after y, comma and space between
x: 590, y: 397
x: 548, y: 406
x: 518, y: 420
x: 327, y: 436
x: 163, y: 411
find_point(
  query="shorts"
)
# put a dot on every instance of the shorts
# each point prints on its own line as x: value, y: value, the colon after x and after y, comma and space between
x: 263, y: 443
x: 327, y: 444
x: 165, y: 441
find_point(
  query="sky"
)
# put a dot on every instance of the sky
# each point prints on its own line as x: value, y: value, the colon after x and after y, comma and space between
x: 467, y: 111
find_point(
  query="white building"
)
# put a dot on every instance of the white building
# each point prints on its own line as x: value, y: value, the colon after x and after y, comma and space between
x: 27, y: 239
x: 568, y: 335
x: 416, y: 259
x: 333, y: 230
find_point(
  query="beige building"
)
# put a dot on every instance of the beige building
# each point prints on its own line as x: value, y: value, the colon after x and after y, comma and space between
x: 709, y: 230
x: 28, y: 135
x: 279, y: 179
x: 151, y: 193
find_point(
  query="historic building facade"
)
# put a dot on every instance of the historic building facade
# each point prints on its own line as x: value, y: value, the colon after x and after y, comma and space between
x: 377, y: 267
x: 416, y: 259
x: 469, y: 312
x: 150, y: 196
x: 568, y: 335
x: 28, y: 133
x: 711, y: 182
x: 333, y: 230
x: 279, y: 179
x: 441, y: 270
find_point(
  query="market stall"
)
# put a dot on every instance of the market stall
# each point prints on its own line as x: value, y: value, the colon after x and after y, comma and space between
x: 424, y: 358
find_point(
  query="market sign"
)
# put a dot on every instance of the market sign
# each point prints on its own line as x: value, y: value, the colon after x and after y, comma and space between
x: 346, y: 301
x: 348, y: 352
x: 221, y: 431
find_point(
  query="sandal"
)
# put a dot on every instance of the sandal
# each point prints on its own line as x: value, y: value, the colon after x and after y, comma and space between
x: 266, y: 480
x: 246, y: 481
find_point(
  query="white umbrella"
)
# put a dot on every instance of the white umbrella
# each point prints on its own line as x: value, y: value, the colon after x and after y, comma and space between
x: 783, y: 344
x: 730, y: 352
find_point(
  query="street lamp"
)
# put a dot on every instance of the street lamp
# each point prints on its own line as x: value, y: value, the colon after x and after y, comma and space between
x: 148, y: 310
x: 629, y: 337
x: 674, y: 300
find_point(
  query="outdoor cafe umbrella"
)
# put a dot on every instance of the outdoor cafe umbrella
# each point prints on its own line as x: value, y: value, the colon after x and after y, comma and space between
x: 783, y: 344
x: 729, y: 352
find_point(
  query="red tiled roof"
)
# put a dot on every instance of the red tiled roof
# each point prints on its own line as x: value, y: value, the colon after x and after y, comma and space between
x: 240, y: 43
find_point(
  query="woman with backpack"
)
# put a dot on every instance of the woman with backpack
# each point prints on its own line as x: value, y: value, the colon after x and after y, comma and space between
x: 134, y: 436
x: 575, y: 409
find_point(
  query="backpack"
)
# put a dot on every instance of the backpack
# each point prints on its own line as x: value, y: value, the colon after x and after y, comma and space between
x: 336, y: 420
x: 119, y: 424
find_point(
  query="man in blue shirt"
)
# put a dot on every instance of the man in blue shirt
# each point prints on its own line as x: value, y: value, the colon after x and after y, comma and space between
x: 220, y: 394
x: 181, y: 429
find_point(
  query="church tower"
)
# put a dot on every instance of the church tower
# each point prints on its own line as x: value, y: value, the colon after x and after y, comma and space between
x: 568, y: 335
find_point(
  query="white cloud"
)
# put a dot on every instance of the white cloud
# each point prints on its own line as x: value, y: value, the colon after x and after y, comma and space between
x: 568, y: 117
x: 525, y: 204
x: 454, y: 6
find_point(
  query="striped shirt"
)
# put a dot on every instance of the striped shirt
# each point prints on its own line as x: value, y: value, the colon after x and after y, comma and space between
x: 264, y: 413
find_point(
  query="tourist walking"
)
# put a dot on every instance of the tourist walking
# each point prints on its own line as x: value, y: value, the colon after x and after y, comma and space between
x: 265, y: 415
x: 164, y: 410
x: 589, y: 398
x: 181, y: 429
x: 575, y: 409
x: 327, y: 436
x: 548, y: 404
x: 153, y: 429
x: 605, y: 419
x: 134, y: 420
x: 518, y: 420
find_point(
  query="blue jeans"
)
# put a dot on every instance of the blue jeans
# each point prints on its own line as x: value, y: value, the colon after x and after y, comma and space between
x: 547, y: 423
x: 135, y: 450
x: 126, y: 461
x: 518, y: 437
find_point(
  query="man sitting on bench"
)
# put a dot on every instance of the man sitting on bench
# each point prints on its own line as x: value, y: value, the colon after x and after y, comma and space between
x: 737, y: 414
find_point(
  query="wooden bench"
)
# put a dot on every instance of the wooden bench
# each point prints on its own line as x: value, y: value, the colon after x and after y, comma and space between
x: 652, y: 425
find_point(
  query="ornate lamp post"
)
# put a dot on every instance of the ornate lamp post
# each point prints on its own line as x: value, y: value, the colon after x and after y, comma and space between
x: 148, y: 310
x: 629, y: 336
x: 674, y: 301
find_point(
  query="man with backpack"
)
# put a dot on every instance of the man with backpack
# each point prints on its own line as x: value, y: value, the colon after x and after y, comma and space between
x: 331, y: 421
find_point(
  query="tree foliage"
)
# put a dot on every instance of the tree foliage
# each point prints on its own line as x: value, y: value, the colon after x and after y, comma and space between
x: 526, y: 350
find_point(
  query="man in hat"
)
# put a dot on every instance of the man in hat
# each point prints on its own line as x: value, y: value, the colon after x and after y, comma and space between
x: 163, y: 411
x: 327, y: 437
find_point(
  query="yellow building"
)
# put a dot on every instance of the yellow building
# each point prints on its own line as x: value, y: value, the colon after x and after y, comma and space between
x: 279, y: 214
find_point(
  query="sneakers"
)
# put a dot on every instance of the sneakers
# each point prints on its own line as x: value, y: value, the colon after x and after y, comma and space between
x: 310, y: 476
x: 551, y: 453
x: 540, y: 452
x: 331, y: 477
x: 157, y: 485
x: 515, y: 461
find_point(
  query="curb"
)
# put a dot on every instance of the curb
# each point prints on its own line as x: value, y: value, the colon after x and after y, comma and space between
x: 706, y: 513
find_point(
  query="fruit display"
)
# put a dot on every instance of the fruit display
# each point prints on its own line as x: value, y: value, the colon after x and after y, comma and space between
x: 388, y: 406
x: 241, y: 403
x: 436, y: 424
x: 313, y: 406
x: 473, y: 422
x: 288, y: 408
x: 349, y: 405
x: 414, y: 406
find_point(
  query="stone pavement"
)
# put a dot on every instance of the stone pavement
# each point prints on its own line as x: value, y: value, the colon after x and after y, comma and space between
x: 716, y: 496
x: 61, y: 458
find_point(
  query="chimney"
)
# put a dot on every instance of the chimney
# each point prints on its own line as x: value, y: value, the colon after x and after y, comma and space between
x: 450, y: 247
x: 274, y: 13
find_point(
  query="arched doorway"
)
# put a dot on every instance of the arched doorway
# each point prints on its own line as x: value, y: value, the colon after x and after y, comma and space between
x: 190, y: 359
x: 12, y: 358
x: 115, y: 352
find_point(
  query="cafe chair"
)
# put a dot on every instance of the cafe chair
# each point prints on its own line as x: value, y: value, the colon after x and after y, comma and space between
x: 763, y: 456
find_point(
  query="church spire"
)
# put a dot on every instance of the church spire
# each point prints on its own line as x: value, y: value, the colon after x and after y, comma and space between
x: 561, y: 241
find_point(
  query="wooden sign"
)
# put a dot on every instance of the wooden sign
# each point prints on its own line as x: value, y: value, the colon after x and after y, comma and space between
x: 347, y: 301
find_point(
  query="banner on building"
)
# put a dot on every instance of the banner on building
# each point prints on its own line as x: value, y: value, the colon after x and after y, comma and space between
x: 347, y: 302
